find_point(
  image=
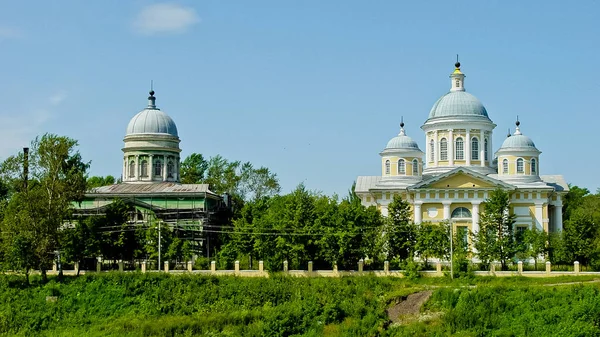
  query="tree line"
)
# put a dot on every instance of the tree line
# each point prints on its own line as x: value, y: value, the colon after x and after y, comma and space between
x: 36, y: 222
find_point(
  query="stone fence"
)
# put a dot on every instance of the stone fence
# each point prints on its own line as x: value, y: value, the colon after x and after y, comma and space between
x: 310, y: 272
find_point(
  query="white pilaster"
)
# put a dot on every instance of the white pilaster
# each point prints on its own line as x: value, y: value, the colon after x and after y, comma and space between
x: 467, y: 148
x: 539, y: 222
x: 436, y: 148
x: 164, y: 168
x: 490, y: 150
x: 558, y: 224
x: 417, y: 212
x: 482, y: 148
x: 447, y: 209
x: 451, y: 147
x: 151, y: 167
x: 125, y: 176
x: 137, y: 167
x: 475, y: 216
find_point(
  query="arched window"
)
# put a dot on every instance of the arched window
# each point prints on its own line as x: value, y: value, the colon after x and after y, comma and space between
x: 443, y: 149
x: 144, y: 172
x: 505, y: 166
x: 401, y: 166
x: 533, y: 168
x: 457, y: 83
x: 415, y: 171
x: 158, y: 168
x: 170, y: 169
x: 460, y: 154
x: 132, y: 169
x: 461, y: 212
x: 520, y: 165
x: 387, y: 167
x: 486, y: 149
x: 431, y: 151
x: 474, y: 148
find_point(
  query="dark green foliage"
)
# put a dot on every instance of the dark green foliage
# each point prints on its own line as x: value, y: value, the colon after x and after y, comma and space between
x: 98, y: 181
x: 400, y: 231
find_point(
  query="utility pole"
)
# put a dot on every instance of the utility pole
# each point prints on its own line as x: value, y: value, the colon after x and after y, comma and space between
x: 159, y: 245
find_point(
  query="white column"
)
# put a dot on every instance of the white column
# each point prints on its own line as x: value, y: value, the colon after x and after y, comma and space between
x: 482, y: 148
x: 451, y: 148
x: 417, y: 212
x: 475, y: 217
x: 151, y: 167
x: 490, y: 149
x: 558, y: 225
x: 125, y: 160
x: 164, y: 168
x: 137, y: 167
x: 447, y: 209
x: 427, y: 150
x: 436, y: 148
x: 468, y: 147
x: 539, y: 222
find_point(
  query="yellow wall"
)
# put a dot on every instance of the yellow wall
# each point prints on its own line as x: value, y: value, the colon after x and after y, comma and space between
x: 461, y: 180
x: 424, y: 210
x: 512, y: 165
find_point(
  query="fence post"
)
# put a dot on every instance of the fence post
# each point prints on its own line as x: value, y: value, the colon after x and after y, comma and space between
x: 386, y: 267
x: 310, y: 267
x: 520, y: 267
x: 166, y: 265
x: 261, y: 266
x: 121, y: 265
x: 285, y: 266
x: 361, y: 263
x: 76, y: 267
x: 189, y: 266
x: 143, y: 267
x: 237, y: 267
x: 98, y: 266
x: 54, y: 267
x: 213, y: 266
x: 576, y: 267
x: 492, y: 268
x: 335, y: 268
x: 548, y: 267
x: 438, y: 268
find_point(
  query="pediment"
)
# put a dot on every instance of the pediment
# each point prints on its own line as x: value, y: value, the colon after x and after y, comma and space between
x: 462, y: 178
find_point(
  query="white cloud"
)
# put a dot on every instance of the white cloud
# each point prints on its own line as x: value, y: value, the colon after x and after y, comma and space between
x: 165, y: 18
x: 58, y: 98
x: 10, y: 33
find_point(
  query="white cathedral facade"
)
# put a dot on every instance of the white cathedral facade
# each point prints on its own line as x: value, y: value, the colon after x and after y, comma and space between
x: 451, y: 180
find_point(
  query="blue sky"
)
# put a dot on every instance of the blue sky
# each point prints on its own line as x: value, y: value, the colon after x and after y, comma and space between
x: 311, y: 89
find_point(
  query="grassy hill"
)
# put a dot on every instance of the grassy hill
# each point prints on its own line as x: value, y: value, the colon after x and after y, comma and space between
x: 130, y: 304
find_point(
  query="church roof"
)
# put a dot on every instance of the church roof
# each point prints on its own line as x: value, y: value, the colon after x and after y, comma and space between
x: 152, y: 121
x: 148, y: 189
x: 458, y: 103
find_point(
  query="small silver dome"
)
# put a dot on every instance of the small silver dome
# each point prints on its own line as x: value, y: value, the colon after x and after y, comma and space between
x: 402, y: 142
x: 151, y: 120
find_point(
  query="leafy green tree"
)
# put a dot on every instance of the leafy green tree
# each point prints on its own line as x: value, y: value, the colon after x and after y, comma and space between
x: 57, y: 174
x: 432, y: 240
x: 193, y: 169
x: 400, y: 232
x: 495, y: 240
x: 118, y: 235
x: 581, y: 232
x: 536, y: 244
x: 573, y: 199
x: 83, y: 240
x: 98, y: 181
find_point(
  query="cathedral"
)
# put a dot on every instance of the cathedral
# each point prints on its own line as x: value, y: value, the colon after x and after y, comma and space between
x: 151, y: 182
x: 453, y: 178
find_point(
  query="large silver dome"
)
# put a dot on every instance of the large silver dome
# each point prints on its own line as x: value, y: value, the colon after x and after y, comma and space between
x: 152, y: 121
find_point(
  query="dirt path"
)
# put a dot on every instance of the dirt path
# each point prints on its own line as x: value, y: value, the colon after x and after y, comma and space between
x: 408, y: 306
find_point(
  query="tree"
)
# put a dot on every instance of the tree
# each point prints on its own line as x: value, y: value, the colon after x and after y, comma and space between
x: 193, y: 169
x: 37, y: 212
x: 535, y: 241
x: 573, y: 199
x: 83, y: 240
x: 98, y: 181
x: 495, y: 239
x: 432, y: 240
x: 400, y: 231
x: 581, y: 231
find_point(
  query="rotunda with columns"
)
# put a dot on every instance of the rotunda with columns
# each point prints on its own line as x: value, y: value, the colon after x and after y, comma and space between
x: 151, y: 152
x: 460, y: 169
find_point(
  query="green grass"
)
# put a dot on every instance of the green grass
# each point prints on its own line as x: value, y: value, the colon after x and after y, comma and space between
x: 133, y: 304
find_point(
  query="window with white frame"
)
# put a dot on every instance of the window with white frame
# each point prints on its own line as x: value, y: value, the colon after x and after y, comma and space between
x: 486, y: 149
x: 170, y: 169
x: 432, y: 151
x: 460, y: 154
x: 415, y: 168
x: 461, y: 213
x: 533, y: 166
x: 131, y: 169
x: 520, y: 165
x: 475, y: 148
x: 387, y: 167
x: 443, y: 149
x: 401, y: 166
x: 144, y: 171
x: 505, y: 166
x: 158, y: 168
